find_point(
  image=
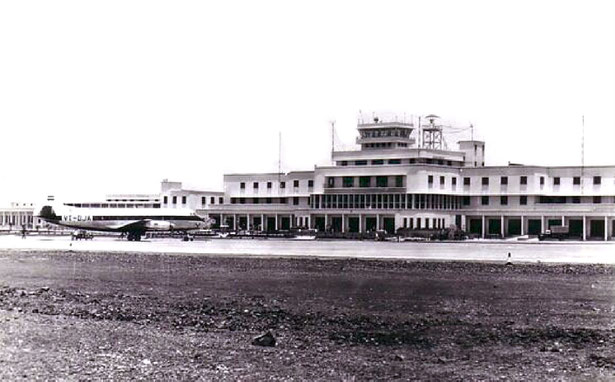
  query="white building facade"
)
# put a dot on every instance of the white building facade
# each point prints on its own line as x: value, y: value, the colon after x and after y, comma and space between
x: 395, y: 182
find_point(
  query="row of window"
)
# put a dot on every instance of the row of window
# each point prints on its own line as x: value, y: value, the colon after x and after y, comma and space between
x: 212, y: 200
x: 417, y: 223
x: 114, y: 205
x: 376, y: 162
x: 295, y: 200
x: 576, y: 180
x: 255, y: 185
x: 540, y: 200
x: 386, y: 201
x: 367, y: 181
x: 403, y: 133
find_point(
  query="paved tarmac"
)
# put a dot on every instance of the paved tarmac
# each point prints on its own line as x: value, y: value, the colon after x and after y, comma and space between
x: 554, y: 252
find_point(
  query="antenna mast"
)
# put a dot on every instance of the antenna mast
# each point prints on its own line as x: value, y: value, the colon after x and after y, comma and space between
x: 582, y: 152
x: 332, y: 139
x: 279, y: 155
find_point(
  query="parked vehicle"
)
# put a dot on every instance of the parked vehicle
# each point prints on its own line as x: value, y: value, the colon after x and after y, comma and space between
x: 82, y: 234
x: 557, y: 232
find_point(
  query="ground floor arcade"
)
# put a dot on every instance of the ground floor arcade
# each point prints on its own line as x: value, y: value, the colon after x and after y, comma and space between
x: 580, y: 227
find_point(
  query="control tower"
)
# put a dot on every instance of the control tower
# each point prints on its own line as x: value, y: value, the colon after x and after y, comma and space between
x: 432, y: 134
x: 385, y: 135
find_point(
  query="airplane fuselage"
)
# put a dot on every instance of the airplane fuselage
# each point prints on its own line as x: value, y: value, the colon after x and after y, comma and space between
x: 137, y: 220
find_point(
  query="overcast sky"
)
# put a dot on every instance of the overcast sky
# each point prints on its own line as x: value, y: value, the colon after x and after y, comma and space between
x: 113, y: 96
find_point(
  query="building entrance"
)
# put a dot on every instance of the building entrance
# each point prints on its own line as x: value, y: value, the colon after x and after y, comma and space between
x: 514, y: 227
x: 476, y: 226
x: 596, y: 228
x: 575, y: 228
x: 319, y: 223
x: 495, y: 227
x: 353, y: 224
x: 389, y: 225
x: 370, y: 224
x: 534, y: 226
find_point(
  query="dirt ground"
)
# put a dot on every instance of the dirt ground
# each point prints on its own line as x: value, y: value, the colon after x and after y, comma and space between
x: 92, y: 316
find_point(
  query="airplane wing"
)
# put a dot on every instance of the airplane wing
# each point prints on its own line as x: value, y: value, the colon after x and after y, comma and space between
x: 135, y: 225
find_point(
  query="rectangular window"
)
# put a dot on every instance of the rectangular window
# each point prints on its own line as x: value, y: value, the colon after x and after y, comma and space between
x: 282, y: 200
x: 166, y: 199
x: 203, y: 200
x: 556, y: 181
x: 466, y: 200
x: 242, y: 200
x: 542, y: 180
x: 221, y: 200
x: 310, y: 183
x: 523, y: 180
x: 394, y: 161
x: 466, y: 181
x: 296, y: 201
x: 242, y: 185
x: 348, y: 181
x: 382, y: 181
x: 175, y: 200
x: 212, y: 200
x: 377, y: 161
x: 344, y: 163
x: 504, y: 180
x: 255, y: 201
x: 269, y: 185
x: 523, y: 200
x: 295, y: 183
x: 330, y: 182
x: 255, y: 185
x: 597, y: 179
x: 454, y: 181
x: 360, y: 162
x: 442, y: 181
x: 430, y: 179
x: 282, y: 184
x: 597, y: 199
x: 504, y: 200
x: 364, y: 181
x: 485, y: 181
x: 399, y: 181
x: 576, y: 199
x: 484, y: 200
x: 576, y: 180
x: 268, y: 200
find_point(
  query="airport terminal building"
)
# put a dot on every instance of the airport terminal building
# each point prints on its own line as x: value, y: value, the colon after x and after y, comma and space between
x: 402, y: 177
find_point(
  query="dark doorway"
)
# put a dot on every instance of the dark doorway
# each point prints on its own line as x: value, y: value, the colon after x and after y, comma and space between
x: 242, y: 222
x: 495, y: 227
x: 389, y: 225
x: 257, y: 223
x: 270, y: 224
x: 230, y: 222
x: 285, y: 220
x: 319, y: 223
x: 514, y: 227
x: 370, y: 224
x: 554, y: 222
x: 575, y: 227
x: 534, y: 226
x: 476, y: 226
x: 596, y: 228
x: 336, y: 224
x: 353, y: 224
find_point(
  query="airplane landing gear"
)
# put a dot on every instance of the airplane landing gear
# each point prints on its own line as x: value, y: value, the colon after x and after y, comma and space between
x: 134, y: 236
